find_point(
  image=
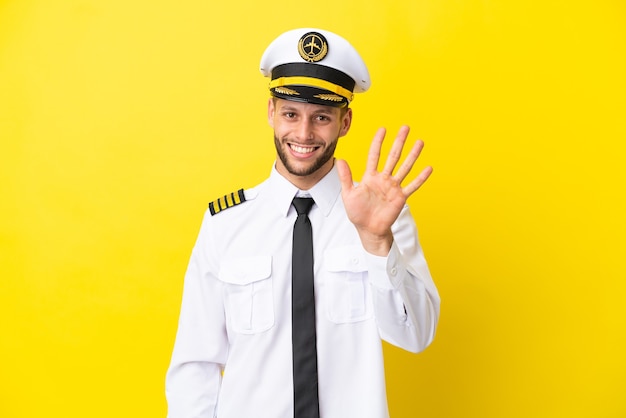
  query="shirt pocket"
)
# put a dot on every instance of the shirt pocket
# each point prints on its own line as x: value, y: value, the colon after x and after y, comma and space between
x: 347, y: 290
x: 248, y: 293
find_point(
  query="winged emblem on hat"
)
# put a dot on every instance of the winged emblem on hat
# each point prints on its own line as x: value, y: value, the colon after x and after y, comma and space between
x: 313, y: 47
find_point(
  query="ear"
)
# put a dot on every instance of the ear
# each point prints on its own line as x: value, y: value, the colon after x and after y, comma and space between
x: 270, y: 112
x: 346, y: 122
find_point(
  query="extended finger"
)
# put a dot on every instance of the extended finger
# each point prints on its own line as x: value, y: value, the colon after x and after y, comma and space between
x: 417, y: 182
x: 374, y: 153
x: 408, y: 163
x: 345, y: 175
x: 396, y: 150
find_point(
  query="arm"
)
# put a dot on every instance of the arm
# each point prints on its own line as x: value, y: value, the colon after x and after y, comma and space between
x: 405, y: 298
x: 406, y: 301
x: 194, y: 375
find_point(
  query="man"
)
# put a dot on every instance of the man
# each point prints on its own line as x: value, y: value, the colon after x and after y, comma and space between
x: 242, y: 350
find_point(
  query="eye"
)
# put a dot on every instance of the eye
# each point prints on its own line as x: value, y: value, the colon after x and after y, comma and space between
x: 289, y: 115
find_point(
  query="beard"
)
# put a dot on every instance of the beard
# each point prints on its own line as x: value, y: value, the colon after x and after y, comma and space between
x: 315, y: 165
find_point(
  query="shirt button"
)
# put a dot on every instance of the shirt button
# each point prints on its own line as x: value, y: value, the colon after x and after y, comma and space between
x: 355, y: 261
x: 393, y: 271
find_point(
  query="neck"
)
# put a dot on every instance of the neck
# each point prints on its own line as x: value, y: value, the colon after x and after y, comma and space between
x: 308, y: 181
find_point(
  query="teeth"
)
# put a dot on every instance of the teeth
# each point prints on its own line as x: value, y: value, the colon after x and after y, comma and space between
x: 302, y: 150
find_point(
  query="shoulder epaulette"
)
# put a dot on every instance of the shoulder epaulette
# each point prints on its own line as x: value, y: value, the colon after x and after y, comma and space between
x: 227, y: 201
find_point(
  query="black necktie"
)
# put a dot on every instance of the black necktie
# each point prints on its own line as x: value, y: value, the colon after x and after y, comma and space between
x: 303, y: 315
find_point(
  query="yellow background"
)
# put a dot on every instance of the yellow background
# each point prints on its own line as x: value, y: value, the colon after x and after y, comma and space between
x: 120, y: 120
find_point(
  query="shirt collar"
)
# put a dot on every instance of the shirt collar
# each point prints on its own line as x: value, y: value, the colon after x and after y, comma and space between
x: 325, y: 192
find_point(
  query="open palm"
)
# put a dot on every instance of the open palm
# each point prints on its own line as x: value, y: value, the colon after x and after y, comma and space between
x: 375, y: 203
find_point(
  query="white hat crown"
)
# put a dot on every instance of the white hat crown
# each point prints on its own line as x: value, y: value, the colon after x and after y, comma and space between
x: 296, y: 47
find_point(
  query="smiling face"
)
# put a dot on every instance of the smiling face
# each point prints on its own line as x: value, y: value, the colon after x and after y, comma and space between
x: 305, y: 136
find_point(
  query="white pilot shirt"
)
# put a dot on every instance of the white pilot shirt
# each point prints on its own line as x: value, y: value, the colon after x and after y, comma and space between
x: 232, y: 357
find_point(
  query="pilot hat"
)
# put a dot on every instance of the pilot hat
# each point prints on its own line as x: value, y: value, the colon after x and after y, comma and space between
x: 314, y: 66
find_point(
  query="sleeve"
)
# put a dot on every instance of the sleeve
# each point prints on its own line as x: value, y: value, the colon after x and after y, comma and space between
x: 406, y: 301
x: 194, y: 375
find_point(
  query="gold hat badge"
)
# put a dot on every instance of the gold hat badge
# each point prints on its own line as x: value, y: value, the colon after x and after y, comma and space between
x: 313, y: 47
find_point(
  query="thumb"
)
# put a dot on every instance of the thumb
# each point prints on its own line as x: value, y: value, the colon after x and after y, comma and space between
x: 345, y: 175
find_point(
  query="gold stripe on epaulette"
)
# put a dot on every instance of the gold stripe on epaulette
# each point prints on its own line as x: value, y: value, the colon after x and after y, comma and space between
x: 227, y: 201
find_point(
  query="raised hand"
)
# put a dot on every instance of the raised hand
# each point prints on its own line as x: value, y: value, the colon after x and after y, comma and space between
x: 375, y: 203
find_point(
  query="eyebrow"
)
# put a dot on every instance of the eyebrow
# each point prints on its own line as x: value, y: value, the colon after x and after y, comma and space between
x: 318, y: 110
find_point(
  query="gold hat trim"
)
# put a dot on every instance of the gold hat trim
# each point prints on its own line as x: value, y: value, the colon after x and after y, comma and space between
x: 313, y: 82
x: 329, y: 97
x: 285, y: 90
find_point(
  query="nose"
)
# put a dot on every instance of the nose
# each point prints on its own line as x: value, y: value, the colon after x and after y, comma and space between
x: 304, y: 131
